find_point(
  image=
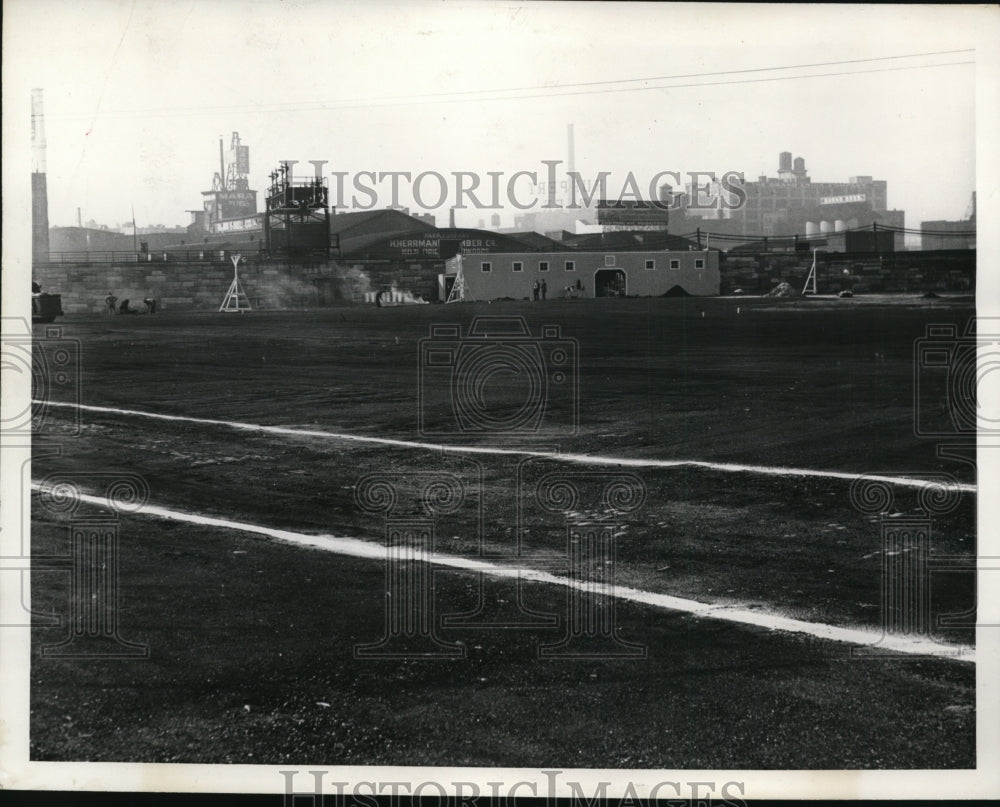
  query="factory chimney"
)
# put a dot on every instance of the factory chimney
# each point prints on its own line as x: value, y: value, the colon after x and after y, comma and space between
x: 39, y: 188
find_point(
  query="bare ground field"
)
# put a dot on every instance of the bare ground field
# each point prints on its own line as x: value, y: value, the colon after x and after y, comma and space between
x: 251, y: 639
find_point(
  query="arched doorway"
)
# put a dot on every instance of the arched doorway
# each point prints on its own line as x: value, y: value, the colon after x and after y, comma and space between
x: 610, y: 283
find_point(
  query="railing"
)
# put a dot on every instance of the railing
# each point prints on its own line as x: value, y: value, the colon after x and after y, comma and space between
x: 154, y: 256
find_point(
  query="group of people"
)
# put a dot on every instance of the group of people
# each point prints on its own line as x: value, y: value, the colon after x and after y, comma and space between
x: 539, y: 289
x: 113, y: 307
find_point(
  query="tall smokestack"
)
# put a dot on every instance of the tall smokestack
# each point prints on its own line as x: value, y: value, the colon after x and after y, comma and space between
x: 571, y: 156
x: 39, y: 187
x: 37, y: 133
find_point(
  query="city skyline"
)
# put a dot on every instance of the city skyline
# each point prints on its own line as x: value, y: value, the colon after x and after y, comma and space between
x: 452, y: 87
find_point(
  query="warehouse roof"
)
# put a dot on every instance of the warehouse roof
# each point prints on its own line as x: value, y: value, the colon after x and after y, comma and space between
x: 384, y: 222
x: 629, y: 240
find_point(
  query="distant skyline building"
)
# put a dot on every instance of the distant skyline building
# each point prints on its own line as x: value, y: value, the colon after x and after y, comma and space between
x: 950, y: 234
x: 786, y: 205
x: 230, y: 206
x: 559, y: 218
x: 630, y: 215
x: 789, y: 204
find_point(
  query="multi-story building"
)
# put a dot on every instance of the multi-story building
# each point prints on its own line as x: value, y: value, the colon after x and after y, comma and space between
x: 789, y: 204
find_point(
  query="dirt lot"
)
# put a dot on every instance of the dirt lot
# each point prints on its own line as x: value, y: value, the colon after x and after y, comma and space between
x: 250, y: 639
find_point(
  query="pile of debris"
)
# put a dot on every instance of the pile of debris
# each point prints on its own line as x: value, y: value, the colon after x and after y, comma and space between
x: 783, y: 290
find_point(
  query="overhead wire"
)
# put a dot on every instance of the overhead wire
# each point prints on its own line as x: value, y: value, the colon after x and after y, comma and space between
x: 550, y: 90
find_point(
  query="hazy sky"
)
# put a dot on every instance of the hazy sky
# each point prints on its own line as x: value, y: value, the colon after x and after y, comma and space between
x: 137, y: 94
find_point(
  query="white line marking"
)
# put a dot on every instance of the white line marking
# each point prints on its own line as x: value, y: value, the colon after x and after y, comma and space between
x: 580, y: 459
x: 354, y: 547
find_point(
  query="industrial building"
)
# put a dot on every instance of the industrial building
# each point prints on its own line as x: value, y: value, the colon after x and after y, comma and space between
x: 230, y: 207
x: 787, y: 205
x: 299, y: 251
x: 414, y: 259
x: 631, y: 215
x: 355, y: 230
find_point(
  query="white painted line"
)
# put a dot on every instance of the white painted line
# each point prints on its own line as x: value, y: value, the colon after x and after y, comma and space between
x: 580, y: 459
x: 354, y: 547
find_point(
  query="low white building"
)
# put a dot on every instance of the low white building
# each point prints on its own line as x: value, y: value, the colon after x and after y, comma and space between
x: 493, y: 276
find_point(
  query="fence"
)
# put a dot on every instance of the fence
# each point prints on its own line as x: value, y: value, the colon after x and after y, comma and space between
x: 159, y: 256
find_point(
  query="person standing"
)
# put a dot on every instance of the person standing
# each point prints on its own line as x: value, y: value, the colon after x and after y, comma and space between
x: 534, y: 292
x: 544, y: 288
x: 110, y: 301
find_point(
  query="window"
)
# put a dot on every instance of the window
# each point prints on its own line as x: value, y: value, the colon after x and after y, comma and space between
x: 609, y: 260
x: 699, y: 263
x: 570, y: 266
x: 543, y: 266
x: 517, y: 266
x: 675, y: 263
x: 487, y: 266
x: 650, y: 263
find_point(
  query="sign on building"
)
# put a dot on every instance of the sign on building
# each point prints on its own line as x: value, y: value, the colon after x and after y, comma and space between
x: 249, y: 223
x: 624, y: 213
x: 843, y: 200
